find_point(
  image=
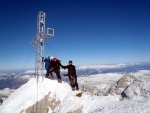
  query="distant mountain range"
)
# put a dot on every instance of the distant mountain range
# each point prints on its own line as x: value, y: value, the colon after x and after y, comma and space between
x: 15, y: 80
x: 118, y: 68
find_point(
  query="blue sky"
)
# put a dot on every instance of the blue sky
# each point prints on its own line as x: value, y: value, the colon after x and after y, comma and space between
x: 86, y: 31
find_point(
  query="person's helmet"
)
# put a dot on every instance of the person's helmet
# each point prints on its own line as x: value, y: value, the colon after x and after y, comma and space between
x: 54, y: 59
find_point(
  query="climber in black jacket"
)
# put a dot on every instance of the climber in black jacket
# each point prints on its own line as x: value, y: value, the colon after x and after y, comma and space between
x: 72, y: 75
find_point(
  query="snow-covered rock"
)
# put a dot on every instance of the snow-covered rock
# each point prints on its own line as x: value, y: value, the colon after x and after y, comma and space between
x: 130, y: 86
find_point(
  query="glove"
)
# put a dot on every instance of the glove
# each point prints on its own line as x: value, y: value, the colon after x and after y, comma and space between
x: 52, y: 69
x: 72, y: 77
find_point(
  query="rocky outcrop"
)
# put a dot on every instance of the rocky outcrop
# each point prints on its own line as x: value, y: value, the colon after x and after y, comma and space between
x: 44, y: 105
x: 129, y: 86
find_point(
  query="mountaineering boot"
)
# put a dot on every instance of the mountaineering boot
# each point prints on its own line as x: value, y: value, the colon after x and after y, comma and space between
x: 73, y: 89
x: 77, y: 89
x: 52, y: 77
x: 47, y: 76
x: 59, y: 80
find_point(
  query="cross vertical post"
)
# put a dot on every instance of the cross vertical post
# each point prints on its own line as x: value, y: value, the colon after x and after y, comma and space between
x: 42, y: 35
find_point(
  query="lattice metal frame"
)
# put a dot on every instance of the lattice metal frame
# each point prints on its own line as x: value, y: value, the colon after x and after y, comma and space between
x: 39, y: 41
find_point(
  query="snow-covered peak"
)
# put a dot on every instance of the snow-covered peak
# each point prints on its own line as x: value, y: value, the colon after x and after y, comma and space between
x: 32, y: 92
x: 59, y: 98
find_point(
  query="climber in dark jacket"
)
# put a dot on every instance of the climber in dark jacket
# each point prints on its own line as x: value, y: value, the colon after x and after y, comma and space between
x: 72, y: 75
x: 55, y: 67
x: 47, y: 65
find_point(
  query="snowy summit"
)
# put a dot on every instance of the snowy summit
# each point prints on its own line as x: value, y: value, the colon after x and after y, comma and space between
x: 100, y: 93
